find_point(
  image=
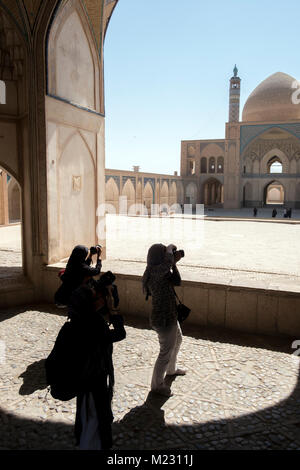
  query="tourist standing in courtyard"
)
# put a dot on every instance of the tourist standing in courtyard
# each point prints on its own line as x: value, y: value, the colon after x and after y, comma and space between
x: 160, y: 277
x: 274, y: 212
x: 91, y: 312
x: 255, y: 212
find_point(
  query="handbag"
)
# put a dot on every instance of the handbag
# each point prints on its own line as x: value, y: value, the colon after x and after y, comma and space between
x: 182, y: 310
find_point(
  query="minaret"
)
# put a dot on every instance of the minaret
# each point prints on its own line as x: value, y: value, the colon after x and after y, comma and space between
x: 234, y: 97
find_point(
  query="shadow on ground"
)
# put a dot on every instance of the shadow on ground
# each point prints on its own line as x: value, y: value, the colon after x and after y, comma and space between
x: 144, y: 427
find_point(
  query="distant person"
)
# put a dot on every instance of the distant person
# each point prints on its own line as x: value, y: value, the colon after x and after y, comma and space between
x: 285, y: 213
x: 77, y: 272
x: 255, y: 212
x: 274, y: 212
x: 289, y: 213
x: 159, y: 279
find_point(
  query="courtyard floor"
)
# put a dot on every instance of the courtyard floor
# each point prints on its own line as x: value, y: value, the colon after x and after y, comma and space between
x: 240, y: 391
x: 258, y: 253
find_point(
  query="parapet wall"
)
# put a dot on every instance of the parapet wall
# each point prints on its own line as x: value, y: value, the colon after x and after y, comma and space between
x: 244, y: 309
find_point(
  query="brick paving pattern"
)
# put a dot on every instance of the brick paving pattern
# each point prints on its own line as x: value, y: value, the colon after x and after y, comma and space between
x: 240, y: 392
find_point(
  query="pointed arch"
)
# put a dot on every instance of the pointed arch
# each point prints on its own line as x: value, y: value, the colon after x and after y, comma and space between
x: 213, y: 192
x: 191, y: 193
x: 76, y: 195
x: 70, y: 138
x: 129, y: 191
x: 112, y: 194
x: 274, y: 193
x: 148, y: 195
x: 14, y: 200
x: 173, y: 193
x: 164, y: 193
x: 73, y: 61
x: 264, y: 165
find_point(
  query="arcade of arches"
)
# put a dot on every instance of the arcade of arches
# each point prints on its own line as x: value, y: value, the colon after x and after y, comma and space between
x: 53, y: 141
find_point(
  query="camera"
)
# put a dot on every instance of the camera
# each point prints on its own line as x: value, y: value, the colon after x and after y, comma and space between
x: 181, y: 252
x: 94, y: 249
x: 107, y: 279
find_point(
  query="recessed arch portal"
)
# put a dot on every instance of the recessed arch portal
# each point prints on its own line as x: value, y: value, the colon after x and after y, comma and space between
x: 112, y: 193
x: 129, y: 191
x: 274, y: 193
x: 148, y: 195
x: 11, y: 256
x: 191, y: 194
x: 213, y: 192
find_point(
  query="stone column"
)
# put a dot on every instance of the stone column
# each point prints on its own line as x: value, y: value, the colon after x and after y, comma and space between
x: 4, y: 215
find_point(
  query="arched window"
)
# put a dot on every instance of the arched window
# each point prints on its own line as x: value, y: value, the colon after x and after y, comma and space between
x: 2, y: 92
x: 274, y: 165
x: 203, y: 165
x: 212, y: 165
x: 192, y: 167
x: 220, y: 165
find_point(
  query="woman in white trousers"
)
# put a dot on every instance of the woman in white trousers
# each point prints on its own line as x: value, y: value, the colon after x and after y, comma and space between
x: 160, y: 277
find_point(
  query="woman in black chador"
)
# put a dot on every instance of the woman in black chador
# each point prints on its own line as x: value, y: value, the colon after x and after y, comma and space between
x: 77, y: 272
x: 91, y: 312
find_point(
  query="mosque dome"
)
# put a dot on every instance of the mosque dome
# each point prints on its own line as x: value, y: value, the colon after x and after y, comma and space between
x: 272, y: 100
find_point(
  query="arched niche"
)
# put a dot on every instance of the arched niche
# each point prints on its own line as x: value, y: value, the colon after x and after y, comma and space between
x: 180, y: 192
x: 191, y: 194
x: 220, y: 165
x: 212, y: 165
x: 173, y: 193
x: 76, y: 190
x: 164, y: 193
x: 139, y: 193
x: 11, y: 213
x: 213, y: 192
x: 112, y: 193
x: 14, y: 200
x: 129, y: 191
x: 274, y: 193
x: 203, y: 165
x: 148, y: 195
x: 73, y: 61
x: 274, y: 154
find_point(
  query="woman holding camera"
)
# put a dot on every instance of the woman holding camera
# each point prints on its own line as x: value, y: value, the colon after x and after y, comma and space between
x: 77, y: 272
x: 92, y: 310
x: 160, y: 277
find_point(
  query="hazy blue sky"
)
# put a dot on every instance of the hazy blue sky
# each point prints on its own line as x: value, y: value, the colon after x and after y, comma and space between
x: 168, y: 65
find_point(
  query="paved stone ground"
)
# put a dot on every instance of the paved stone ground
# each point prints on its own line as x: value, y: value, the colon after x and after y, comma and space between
x: 240, y: 391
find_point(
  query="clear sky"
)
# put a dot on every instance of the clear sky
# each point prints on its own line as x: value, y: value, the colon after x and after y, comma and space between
x: 168, y: 65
